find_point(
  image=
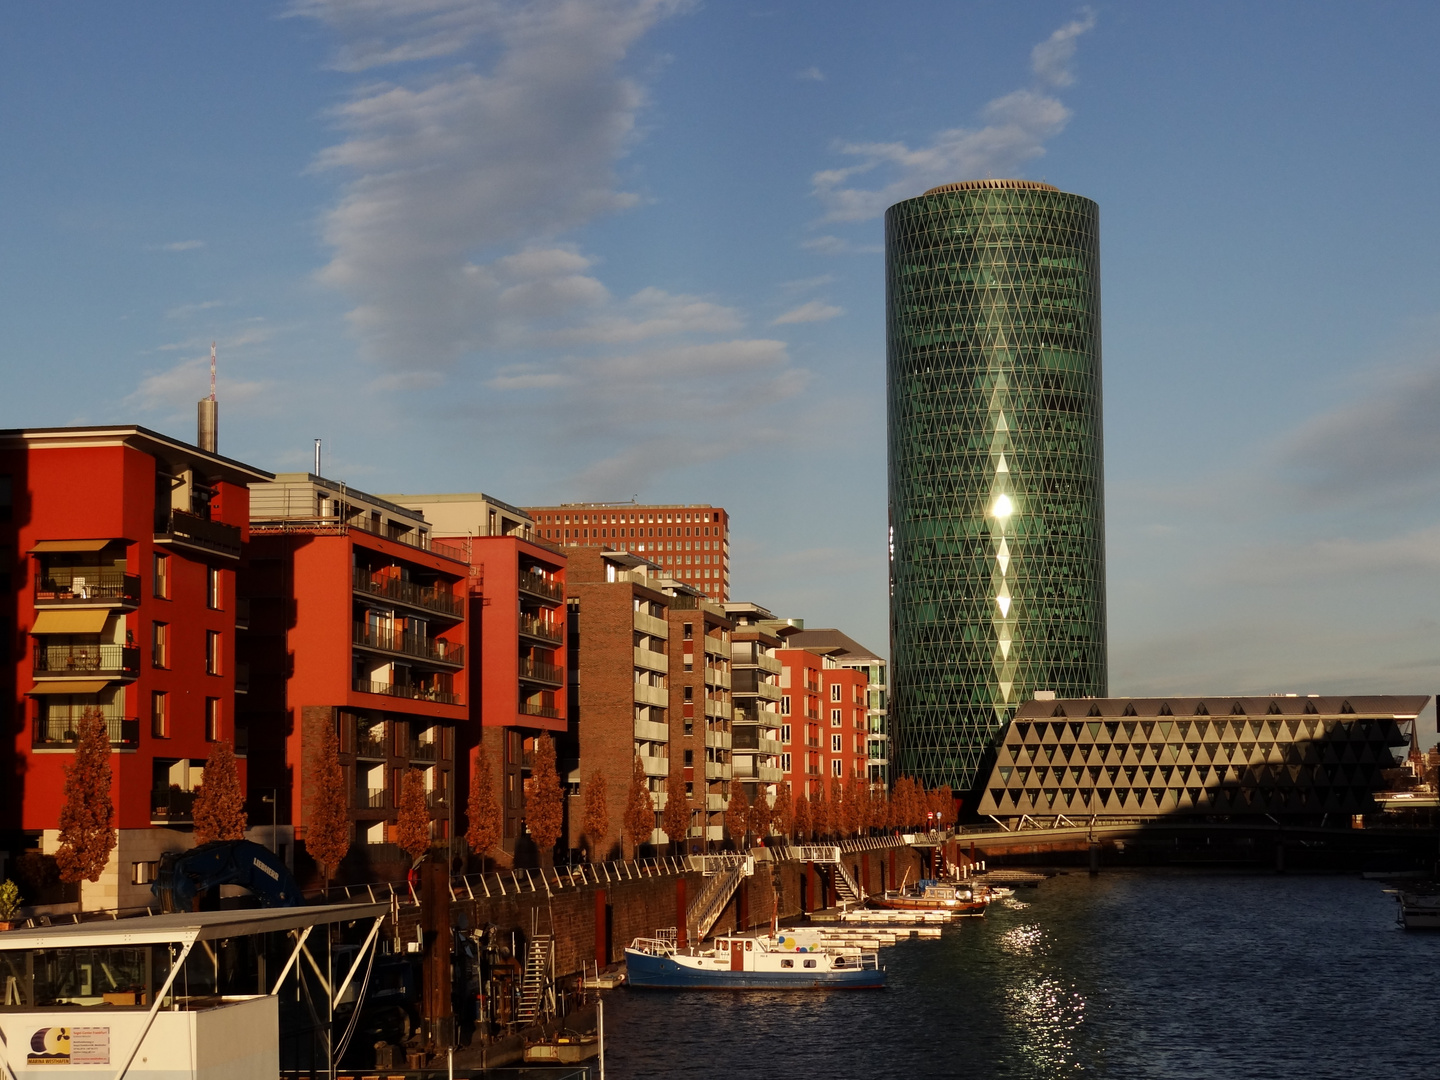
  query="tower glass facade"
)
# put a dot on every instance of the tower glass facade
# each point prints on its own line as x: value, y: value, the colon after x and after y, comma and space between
x: 997, y: 552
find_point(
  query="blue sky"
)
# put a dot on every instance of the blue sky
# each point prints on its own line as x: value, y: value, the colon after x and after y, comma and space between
x: 595, y: 250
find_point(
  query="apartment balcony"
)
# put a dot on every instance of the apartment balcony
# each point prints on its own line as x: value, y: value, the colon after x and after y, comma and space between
x: 658, y: 696
x: 655, y: 766
x: 63, y: 733
x: 651, y: 660
x: 242, y: 678
x: 648, y: 624
x: 372, y: 749
x: 714, y: 803
x: 649, y: 731
x: 549, y: 712
x: 715, y: 676
x: 550, y: 592
x: 714, y: 832
x: 768, y: 691
x: 768, y: 774
x: 540, y: 630
x: 427, y: 598
x: 768, y: 746
x: 406, y: 690
x: 170, y: 804
x: 196, y: 533
x: 242, y: 613
x: 715, y: 647
x: 370, y: 798
x: 718, y: 770
x: 768, y: 718
x: 397, y: 643
x: 91, y: 661
x: 437, y: 799
x: 658, y: 799
x: 717, y: 740
x: 88, y: 587
x: 537, y: 671
x: 718, y: 709
x: 423, y: 751
x: 769, y: 664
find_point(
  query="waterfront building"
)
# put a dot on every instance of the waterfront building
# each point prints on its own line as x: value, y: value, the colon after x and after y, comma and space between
x: 995, y: 465
x: 846, y: 652
x: 689, y: 541
x: 756, y: 672
x: 701, y: 710
x: 517, y: 678
x: 1310, y: 757
x: 823, y: 734
x: 120, y: 550
x: 358, y: 624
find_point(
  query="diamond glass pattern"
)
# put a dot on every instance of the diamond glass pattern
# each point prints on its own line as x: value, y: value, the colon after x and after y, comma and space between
x: 995, y: 464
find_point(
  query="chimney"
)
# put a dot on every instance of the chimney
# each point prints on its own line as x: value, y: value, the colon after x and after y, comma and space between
x: 207, y: 414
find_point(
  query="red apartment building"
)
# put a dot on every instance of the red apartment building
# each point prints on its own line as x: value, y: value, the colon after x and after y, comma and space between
x: 118, y: 551
x: 690, y: 542
x: 358, y: 622
x: 823, y: 731
x: 516, y: 588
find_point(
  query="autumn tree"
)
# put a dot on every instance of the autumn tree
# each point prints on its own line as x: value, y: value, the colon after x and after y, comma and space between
x: 219, y: 811
x: 737, y: 816
x: 482, y: 808
x: 639, y: 820
x: 820, y: 811
x: 947, y: 803
x: 86, y: 837
x: 839, y: 811
x: 759, y: 816
x: 545, y: 801
x: 784, y: 811
x: 857, y: 803
x: 802, y: 818
x: 412, y: 824
x: 675, y: 819
x: 327, y: 820
x: 595, y: 824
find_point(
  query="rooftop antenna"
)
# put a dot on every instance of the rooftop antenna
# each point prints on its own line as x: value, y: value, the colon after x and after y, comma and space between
x: 207, y: 414
x: 317, y: 457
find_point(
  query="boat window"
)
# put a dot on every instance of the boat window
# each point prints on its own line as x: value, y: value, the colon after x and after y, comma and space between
x: 787, y: 963
x: 749, y: 946
x: 809, y: 963
x: 99, y: 976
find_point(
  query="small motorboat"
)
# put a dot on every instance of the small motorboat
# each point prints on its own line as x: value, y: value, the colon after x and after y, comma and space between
x: 1418, y: 911
x: 930, y: 895
x: 747, y: 963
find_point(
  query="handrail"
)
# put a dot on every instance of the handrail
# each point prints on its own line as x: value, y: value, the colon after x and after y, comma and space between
x: 87, y: 659
x: 428, y: 598
x: 406, y: 690
x: 539, y: 671
x: 109, y: 584
x: 538, y: 628
x: 387, y: 640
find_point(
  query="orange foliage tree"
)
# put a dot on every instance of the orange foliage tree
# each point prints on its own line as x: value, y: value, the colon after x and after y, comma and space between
x: 802, y: 818
x: 820, y: 812
x: 947, y: 804
x: 595, y: 824
x: 219, y: 811
x: 784, y: 811
x: 482, y: 808
x: 675, y: 819
x: 327, y: 822
x: 857, y: 806
x: 639, y: 820
x: 412, y: 820
x: 759, y: 816
x: 545, y: 802
x: 86, y: 837
x: 737, y: 816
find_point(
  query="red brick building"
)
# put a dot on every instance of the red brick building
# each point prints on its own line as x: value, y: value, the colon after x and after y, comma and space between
x: 691, y: 542
x: 823, y: 732
x: 118, y: 550
x: 702, y: 713
x: 358, y: 622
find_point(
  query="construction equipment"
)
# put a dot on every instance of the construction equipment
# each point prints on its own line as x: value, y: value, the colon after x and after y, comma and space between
x: 182, y: 875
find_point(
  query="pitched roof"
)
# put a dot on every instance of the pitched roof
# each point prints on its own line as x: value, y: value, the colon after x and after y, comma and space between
x: 831, y: 642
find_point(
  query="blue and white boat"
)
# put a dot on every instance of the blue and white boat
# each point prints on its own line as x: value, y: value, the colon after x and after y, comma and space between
x: 747, y: 963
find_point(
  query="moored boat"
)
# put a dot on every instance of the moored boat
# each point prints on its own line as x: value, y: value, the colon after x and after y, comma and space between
x: 747, y: 963
x: 1419, y: 912
x: 931, y: 896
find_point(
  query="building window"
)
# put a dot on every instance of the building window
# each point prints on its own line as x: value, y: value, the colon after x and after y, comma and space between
x: 689, y: 758
x: 835, y: 744
x: 689, y: 693
x: 159, y: 645
x: 143, y: 873
x: 212, y: 719
x: 835, y: 692
x: 784, y: 762
x: 834, y: 717
x: 837, y: 767
x: 212, y: 652
x: 785, y: 733
x: 785, y: 705
x: 160, y: 714
x: 214, y: 599
x: 162, y: 576
x: 689, y: 631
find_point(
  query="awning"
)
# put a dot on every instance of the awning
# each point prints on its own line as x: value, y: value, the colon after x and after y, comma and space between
x: 74, y: 545
x: 76, y: 621
x: 71, y: 686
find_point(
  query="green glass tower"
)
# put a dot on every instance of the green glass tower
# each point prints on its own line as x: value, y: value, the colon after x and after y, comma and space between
x: 997, y: 517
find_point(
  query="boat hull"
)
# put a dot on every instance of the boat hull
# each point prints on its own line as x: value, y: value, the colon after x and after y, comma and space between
x: 650, y: 972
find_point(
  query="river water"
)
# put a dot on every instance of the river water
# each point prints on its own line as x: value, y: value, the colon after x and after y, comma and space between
x: 1124, y: 975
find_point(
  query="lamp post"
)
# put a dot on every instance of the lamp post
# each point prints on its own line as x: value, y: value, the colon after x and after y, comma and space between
x: 274, y: 800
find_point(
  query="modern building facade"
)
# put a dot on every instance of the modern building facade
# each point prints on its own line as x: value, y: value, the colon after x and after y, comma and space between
x: 120, y: 549
x: 757, y: 673
x: 1302, y: 757
x: 995, y: 465
x: 701, y: 711
x: 846, y: 652
x: 823, y: 733
x: 691, y: 542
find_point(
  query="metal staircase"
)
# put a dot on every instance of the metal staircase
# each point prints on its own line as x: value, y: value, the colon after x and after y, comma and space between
x: 828, y: 855
x: 725, y: 873
x: 537, y: 991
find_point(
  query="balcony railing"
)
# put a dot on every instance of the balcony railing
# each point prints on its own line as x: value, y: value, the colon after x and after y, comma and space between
x: 423, y: 751
x: 540, y: 672
x: 392, y: 641
x: 538, y: 628
x: 426, y: 597
x: 63, y: 732
x: 371, y: 748
x: 535, y: 585
x: 87, y: 587
x: 438, y: 797
x: 370, y: 798
x: 242, y: 678
x: 111, y: 661
x: 547, y: 711
x: 191, y: 530
x: 171, y: 804
x: 406, y: 690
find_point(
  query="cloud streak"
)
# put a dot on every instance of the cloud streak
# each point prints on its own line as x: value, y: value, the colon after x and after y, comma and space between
x: 812, y: 311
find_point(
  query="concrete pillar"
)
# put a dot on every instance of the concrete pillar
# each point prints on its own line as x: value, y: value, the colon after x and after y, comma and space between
x: 435, y: 963
x: 1094, y: 858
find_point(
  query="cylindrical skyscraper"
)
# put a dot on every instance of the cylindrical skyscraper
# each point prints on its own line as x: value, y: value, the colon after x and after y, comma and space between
x: 997, y: 514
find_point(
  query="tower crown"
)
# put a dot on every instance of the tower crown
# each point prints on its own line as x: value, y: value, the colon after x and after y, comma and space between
x: 976, y: 185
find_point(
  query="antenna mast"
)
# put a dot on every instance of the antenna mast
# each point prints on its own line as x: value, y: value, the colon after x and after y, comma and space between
x: 212, y: 371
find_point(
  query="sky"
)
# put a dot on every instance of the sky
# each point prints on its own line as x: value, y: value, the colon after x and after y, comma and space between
x: 562, y: 251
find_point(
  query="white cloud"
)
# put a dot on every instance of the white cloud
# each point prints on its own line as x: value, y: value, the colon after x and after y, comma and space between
x: 806, y: 284
x: 1013, y: 132
x: 811, y: 74
x: 813, y: 311
x: 835, y: 245
x: 184, y: 311
x: 177, y: 388
x: 1050, y: 60
x: 182, y: 245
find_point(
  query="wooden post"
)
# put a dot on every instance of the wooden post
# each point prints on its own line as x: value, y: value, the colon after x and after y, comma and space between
x: 602, y: 944
x: 435, y: 925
